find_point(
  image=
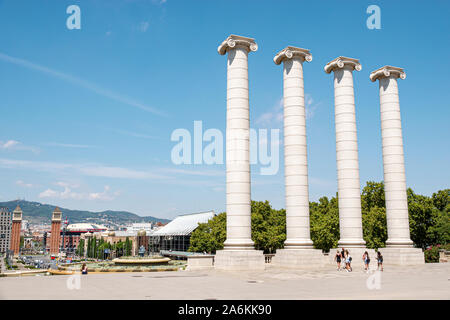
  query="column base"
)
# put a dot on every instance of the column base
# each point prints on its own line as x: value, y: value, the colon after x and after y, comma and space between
x: 298, y: 244
x: 239, y: 244
x: 239, y: 260
x: 299, y: 258
x: 402, y: 256
x: 352, y: 243
x: 399, y: 243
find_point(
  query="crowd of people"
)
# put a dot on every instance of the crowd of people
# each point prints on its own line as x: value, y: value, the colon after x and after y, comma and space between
x: 344, y: 260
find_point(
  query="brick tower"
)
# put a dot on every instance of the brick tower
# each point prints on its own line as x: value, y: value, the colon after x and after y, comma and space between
x: 55, y: 238
x: 15, y: 230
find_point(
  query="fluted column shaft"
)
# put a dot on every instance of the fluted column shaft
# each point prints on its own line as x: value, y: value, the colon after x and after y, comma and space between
x: 238, y: 151
x: 238, y: 196
x: 295, y: 150
x: 393, y: 163
x: 350, y: 219
x: 349, y: 197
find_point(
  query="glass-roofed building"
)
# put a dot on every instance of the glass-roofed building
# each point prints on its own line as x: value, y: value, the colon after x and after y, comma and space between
x: 176, y: 235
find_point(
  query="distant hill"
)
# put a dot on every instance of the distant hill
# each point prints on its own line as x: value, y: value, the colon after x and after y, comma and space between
x: 36, y: 212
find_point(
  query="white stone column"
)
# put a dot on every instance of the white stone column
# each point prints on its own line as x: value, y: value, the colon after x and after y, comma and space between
x: 238, y: 253
x: 295, y: 151
x: 349, y: 196
x: 237, y: 143
x: 393, y: 158
x: 298, y: 251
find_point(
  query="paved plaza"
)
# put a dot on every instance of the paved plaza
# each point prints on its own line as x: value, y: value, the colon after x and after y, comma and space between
x: 429, y: 281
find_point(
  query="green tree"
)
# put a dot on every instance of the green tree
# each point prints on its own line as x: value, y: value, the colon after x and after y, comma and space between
x: 372, y: 196
x: 420, y: 218
x: 268, y: 226
x: 439, y: 232
x: 118, y: 247
x: 80, y: 248
x: 441, y: 200
x: 374, y: 227
x: 210, y: 236
x: 374, y: 215
x: 324, y: 220
x: 88, y: 249
x: 128, y: 247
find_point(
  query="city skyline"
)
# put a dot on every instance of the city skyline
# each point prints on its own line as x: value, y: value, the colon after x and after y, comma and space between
x: 88, y: 114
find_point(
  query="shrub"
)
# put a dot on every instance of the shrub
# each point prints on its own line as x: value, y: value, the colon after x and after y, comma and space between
x: 432, y: 254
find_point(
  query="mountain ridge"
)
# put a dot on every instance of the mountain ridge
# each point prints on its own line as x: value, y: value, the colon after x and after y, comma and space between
x: 38, y: 213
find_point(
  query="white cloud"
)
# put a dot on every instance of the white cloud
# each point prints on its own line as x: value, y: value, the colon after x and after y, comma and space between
x: 23, y: 184
x: 105, y: 195
x: 49, y: 193
x: 16, y: 145
x: 67, y: 193
x: 80, y: 82
x: 8, y: 144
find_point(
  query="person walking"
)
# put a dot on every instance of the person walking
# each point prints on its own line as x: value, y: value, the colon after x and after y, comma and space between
x: 343, y: 258
x: 337, y: 258
x: 366, y: 261
x: 348, y: 261
x: 380, y: 260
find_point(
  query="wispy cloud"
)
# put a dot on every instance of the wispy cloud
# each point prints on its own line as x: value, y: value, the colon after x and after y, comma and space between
x: 23, y: 184
x: 8, y: 144
x: 80, y: 82
x: 69, y: 145
x: 92, y: 170
x: 201, y: 172
x: 310, y: 106
x: 273, y: 117
x: 118, y: 172
x: 68, y: 193
x: 16, y: 145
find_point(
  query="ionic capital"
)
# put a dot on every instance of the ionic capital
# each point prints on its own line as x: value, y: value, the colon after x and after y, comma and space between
x: 341, y: 62
x: 291, y: 52
x: 387, y: 71
x: 234, y: 41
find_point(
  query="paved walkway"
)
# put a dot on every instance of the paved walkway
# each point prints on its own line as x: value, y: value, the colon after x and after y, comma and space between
x: 430, y: 281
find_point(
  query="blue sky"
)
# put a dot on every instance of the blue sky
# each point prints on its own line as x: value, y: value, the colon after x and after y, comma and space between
x: 87, y: 114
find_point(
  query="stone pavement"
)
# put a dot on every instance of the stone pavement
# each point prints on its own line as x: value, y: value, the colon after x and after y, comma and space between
x: 430, y: 281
